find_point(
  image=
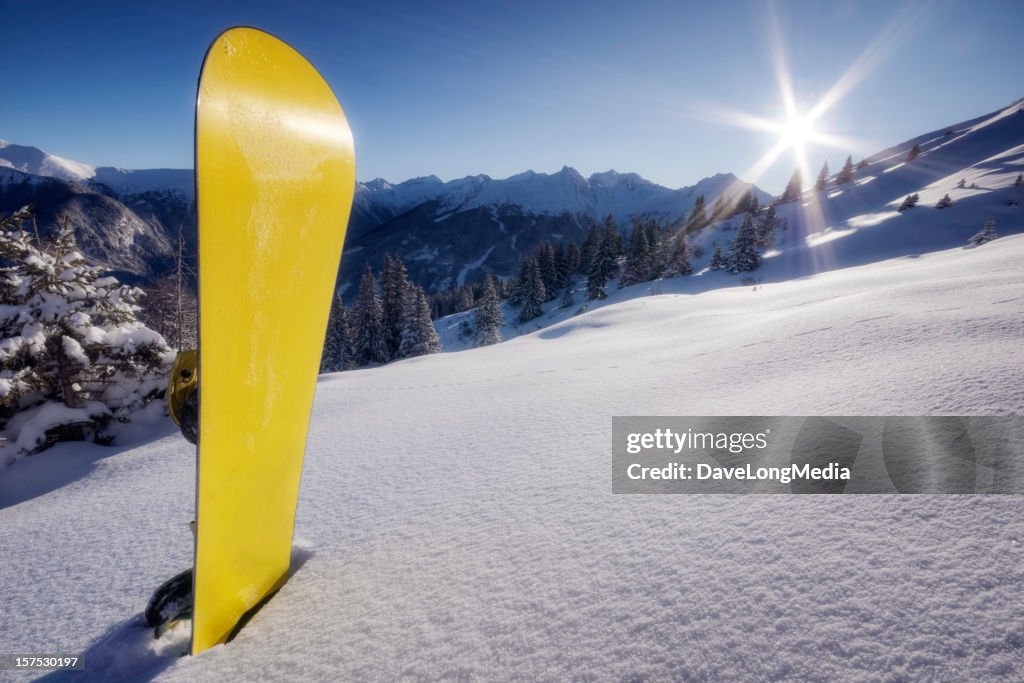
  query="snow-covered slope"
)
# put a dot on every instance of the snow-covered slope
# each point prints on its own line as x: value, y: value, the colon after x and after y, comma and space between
x: 456, y: 519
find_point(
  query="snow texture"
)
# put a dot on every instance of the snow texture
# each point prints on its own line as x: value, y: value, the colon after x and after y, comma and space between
x: 492, y: 547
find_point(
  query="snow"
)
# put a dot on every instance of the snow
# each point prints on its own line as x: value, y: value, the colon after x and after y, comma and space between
x: 492, y: 547
x: 456, y: 519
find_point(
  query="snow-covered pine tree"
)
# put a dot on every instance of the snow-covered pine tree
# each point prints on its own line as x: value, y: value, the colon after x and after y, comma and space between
x: 465, y: 299
x: 561, y: 265
x: 658, y: 248
x: 638, y: 257
x: 679, y: 261
x: 822, y: 180
x: 914, y: 152
x: 793, y: 188
x: 521, y: 283
x: 847, y: 172
x: 743, y: 256
x: 419, y: 337
x: 533, y: 293
x: 944, y: 202
x: 337, y: 354
x: 395, y: 288
x: 717, y: 261
x: 986, y: 234
x: 766, y: 227
x: 70, y: 341
x: 369, y: 343
x: 488, y: 319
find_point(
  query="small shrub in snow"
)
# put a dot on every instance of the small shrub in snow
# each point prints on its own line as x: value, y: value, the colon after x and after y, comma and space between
x: 944, y: 202
x: 986, y: 234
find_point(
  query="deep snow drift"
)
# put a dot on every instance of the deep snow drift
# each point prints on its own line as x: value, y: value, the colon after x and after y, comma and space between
x: 456, y: 517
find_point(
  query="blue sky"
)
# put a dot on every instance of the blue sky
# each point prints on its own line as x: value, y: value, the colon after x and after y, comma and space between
x: 461, y: 88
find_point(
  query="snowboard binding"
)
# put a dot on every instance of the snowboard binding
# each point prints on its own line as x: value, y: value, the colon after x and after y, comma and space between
x: 183, y: 394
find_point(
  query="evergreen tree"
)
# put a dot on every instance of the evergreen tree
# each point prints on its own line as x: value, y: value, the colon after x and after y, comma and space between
x: 465, y: 299
x: 488, y: 319
x: 591, y: 246
x: 612, y: 240
x: 521, y: 284
x: 337, y: 354
x: 656, y: 247
x: 370, y: 345
x: 533, y: 293
x: 846, y: 173
x: 545, y: 256
x: 863, y: 163
x: 698, y: 215
x: 717, y: 261
x: 909, y: 202
x: 1019, y: 181
x: 679, y: 262
x: 573, y: 262
x: 638, y: 257
x: 987, y: 233
x: 822, y: 180
x: 793, y: 188
x: 743, y: 256
x: 944, y: 202
x: 568, y: 298
x: 419, y: 337
x: 396, y: 286
x: 70, y: 335
x: 766, y: 228
x: 915, y: 152
x: 561, y: 265
x: 962, y: 184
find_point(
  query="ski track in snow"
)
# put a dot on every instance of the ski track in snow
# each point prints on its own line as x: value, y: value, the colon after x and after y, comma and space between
x: 456, y: 519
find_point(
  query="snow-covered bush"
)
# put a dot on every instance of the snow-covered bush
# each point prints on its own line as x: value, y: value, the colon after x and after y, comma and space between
x: 69, y: 337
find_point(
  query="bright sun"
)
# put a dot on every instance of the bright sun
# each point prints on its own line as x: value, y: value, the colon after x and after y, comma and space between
x: 797, y: 130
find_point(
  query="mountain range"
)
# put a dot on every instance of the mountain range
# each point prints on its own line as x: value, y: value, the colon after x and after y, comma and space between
x: 448, y: 233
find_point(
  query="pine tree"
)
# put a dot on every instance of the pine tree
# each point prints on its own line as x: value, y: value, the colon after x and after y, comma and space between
x: 591, y: 246
x: 743, y: 256
x: 986, y: 234
x: 337, y: 354
x: 717, y: 261
x: 822, y: 180
x: 793, y: 188
x: 1019, y: 181
x: 533, y: 293
x: 909, y: 202
x: 70, y: 335
x: 766, y: 228
x: 369, y: 343
x: 847, y: 172
x: 914, y: 152
x: 612, y: 241
x: 962, y: 184
x: 698, y: 215
x: 574, y: 259
x: 638, y: 257
x: 863, y: 163
x: 488, y: 318
x: 944, y: 202
x: 521, y: 283
x: 419, y: 337
x: 568, y: 298
x: 464, y: 300
x: 545, y: 256
x: 679, y: 262
x: 396, y: 286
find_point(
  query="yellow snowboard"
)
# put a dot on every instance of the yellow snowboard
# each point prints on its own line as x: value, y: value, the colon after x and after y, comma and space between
x: 275, y: 174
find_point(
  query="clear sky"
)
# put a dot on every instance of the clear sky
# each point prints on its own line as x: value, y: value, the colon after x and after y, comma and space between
x: 460, y: 88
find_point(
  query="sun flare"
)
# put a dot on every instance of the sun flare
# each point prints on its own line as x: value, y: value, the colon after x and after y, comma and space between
x: 797, y: 130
